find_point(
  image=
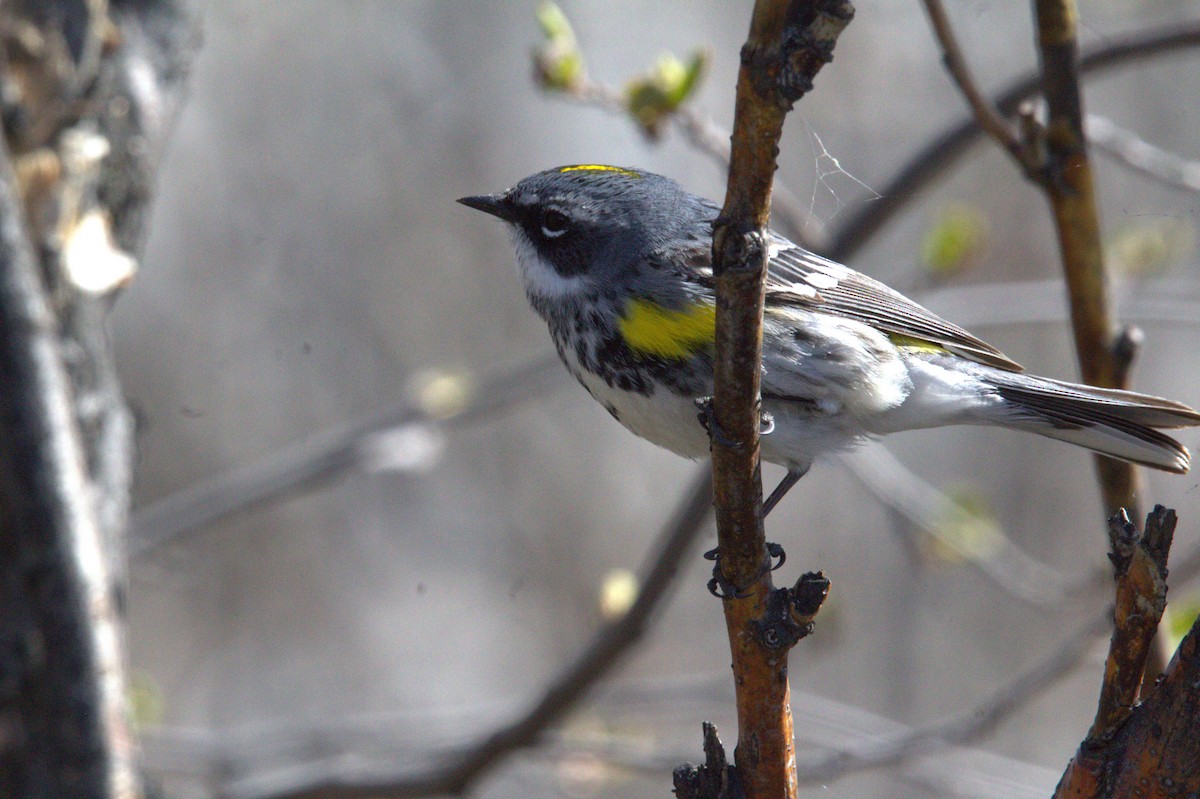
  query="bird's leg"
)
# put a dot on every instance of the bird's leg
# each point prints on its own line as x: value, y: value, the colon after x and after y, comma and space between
x: 718, y: 585
x: 790, y: 479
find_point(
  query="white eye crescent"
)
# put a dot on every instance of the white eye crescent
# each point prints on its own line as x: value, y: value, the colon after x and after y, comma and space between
x: 554, y: 224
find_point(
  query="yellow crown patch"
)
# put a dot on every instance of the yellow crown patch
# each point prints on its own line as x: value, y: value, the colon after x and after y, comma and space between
x: 650, y: 329
x: 600, y: 168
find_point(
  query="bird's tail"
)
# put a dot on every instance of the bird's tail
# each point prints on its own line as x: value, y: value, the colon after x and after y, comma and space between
x: 1120, y: 424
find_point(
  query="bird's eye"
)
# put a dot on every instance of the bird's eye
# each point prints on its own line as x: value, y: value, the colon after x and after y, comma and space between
x: 554, y: 224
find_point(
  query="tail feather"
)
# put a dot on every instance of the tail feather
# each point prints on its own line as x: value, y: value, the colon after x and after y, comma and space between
x: 1143, y: 409
x: 1120, y: 424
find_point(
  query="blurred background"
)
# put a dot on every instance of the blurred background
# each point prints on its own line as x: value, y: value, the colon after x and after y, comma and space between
x: 308, y: 267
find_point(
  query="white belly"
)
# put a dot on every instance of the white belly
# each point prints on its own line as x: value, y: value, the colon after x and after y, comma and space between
x: 662, y: 418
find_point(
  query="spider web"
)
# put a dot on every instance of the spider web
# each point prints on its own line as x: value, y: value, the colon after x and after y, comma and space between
x: 834, y: 187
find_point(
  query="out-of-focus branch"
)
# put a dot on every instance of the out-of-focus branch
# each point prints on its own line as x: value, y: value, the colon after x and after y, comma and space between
x: 999, y: 559
x: 982, y: 719
x: 788, y: 44
x: 1141, y: 156
x: 62, y: 696
x: 969, y: 726
x: 464, y: 769
x: 89, y: 89
x: 944, y: 150
x: 373, y: 443
x: 237, y: 764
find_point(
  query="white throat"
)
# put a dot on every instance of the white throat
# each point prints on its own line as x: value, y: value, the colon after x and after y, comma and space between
x: 540, y: 278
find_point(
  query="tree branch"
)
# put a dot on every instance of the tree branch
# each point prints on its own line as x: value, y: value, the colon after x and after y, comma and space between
x: 1140, y: 566
x: 1150, y: 750
x: 985, y: 113
x: 944, y: 150
x: 788, y: 44
x: 1104, y: 356
x: 1137, y: 154
x: 62, y: 698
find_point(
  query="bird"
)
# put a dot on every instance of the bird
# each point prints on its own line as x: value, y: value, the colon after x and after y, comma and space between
x: 618, y: 262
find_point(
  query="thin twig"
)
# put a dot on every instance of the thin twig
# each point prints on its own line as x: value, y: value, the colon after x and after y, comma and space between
x: 464, y: 769
x: 945, y: 149
x: 1068, y: 183
x: 985, y: 113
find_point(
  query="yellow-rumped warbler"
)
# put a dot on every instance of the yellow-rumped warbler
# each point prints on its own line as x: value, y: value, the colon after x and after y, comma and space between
x: 619, y: 263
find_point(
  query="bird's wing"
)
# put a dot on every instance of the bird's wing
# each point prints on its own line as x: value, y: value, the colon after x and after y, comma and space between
x: 798, y: 278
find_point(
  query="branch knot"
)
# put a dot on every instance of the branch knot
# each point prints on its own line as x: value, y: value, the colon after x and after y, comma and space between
x: 789, y: 613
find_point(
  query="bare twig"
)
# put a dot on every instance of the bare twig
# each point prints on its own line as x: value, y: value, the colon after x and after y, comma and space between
x: 944, y: 150
x: 1153, y: 754
x: 1140, y: 566
x: 1069, y: 186
x: 593, y: 663
x: 788, y: 44
x: 985, y: 113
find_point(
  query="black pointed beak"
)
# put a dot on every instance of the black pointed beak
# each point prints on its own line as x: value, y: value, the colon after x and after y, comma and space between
x: 494, y: 204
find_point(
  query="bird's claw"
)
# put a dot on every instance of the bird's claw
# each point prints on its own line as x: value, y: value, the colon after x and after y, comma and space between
x: 776, y: 551
x: 720, y: 586
x: 766, y: 423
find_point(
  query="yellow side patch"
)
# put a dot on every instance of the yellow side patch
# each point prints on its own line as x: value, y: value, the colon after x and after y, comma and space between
x: 650, y: 329
x: 910, y: 343
x: 599, y: 168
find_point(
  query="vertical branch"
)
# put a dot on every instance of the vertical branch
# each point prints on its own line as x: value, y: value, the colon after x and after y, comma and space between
x: 1150, y: 749
x: 62, y: 699
x: 1140, y: 566
x: 1104, y: 358
x: 789, y: 42
x: 89, y: 90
